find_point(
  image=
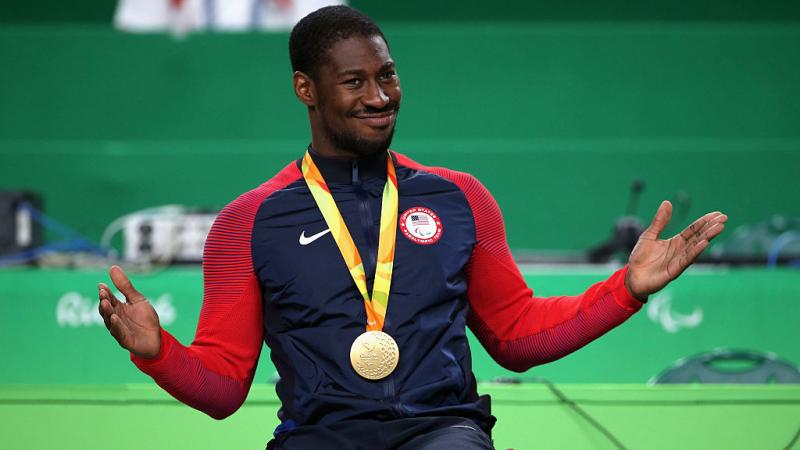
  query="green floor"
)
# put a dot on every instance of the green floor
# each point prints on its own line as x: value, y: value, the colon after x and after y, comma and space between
x: 141, y: 416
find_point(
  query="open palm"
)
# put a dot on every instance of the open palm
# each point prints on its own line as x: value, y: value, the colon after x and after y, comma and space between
x: 654, y: 262
x: 133, y: 323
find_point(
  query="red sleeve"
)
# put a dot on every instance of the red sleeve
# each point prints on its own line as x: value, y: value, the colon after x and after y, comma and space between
x: 518, y: 329
x: 214, y: 373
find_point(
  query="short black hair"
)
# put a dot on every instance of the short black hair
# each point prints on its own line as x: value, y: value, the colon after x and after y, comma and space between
x: 317, y: 32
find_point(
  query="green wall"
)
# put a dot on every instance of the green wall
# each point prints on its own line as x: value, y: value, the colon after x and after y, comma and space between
x: 489, y: 80
x: 705, y: 309
x: 556, y: 119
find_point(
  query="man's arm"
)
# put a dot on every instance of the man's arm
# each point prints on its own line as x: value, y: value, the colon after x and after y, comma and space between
x: 214, y: 373
x: 520, y: 330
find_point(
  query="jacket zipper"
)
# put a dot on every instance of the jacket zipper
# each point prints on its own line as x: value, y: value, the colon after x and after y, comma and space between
x: 371, y: 263
x: 366, y: 221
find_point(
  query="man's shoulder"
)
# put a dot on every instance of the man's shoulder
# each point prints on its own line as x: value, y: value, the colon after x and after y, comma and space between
x: 249, y: 202
x: 465, y: 181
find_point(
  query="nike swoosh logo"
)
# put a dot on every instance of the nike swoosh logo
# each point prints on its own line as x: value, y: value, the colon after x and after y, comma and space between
x: 305, y: 240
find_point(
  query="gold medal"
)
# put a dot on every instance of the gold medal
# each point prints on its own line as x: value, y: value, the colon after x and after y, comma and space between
x: 374, y: 355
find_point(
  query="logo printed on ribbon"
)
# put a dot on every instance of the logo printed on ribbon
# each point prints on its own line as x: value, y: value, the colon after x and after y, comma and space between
x: 421, y: 225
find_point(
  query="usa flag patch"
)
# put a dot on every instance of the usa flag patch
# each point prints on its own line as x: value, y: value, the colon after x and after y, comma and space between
x: 421, y: 225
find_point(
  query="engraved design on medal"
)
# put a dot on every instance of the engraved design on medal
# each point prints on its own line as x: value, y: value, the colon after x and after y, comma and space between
x: 374, y: 355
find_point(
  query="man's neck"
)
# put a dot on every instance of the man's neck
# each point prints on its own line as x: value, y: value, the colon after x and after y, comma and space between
x: 340, y: 170
x: 322, y: 146
x: 333, y: 152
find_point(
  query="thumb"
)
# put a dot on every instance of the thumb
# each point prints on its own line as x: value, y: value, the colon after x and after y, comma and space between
x: 123, y: 283
x: 660, y: 220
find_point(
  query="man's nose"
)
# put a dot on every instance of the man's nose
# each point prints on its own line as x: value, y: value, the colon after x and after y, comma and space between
x: 376, y: 97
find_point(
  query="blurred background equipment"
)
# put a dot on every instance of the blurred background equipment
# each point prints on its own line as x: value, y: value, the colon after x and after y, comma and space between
x: 629, y: 227
x: 730, y: 366
x: 18, y: 229
x: 166, y: 235
x: 773, y: 241
x: 625, y: 233
x: 28, y: 235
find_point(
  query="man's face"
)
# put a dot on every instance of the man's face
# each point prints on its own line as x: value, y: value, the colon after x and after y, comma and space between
x: 358, y: 96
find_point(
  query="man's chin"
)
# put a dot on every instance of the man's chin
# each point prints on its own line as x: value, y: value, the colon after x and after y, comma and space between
x: 364, y: 142
x: 371, y: 148
x: 367, y: 146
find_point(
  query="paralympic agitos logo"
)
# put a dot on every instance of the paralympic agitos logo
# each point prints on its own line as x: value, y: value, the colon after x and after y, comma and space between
x: 421, y: 225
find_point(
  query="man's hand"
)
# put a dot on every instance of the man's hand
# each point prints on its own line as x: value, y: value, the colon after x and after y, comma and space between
x: 655, y: 262
x: 133, y: 323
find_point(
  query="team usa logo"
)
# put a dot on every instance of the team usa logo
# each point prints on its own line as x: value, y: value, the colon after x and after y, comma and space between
x: 421, y: 225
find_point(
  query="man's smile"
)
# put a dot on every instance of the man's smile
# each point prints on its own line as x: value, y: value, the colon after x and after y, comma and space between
x: 378, y: 120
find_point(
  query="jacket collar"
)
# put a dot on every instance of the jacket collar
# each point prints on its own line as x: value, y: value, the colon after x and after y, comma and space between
x: 347, y: 171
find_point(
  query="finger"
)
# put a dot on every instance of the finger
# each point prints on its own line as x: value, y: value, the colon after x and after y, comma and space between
x: 105, y: 310
x: 120, y: 331
x: 660, y: 220
x: 103, y: 292
x: 124, y: 285
x: 107, y: 304
x: 692, y: 253
x: 721, y: 219
x: 697, y: 227
x: 697, y: 244
x: 713, y: 225
x: 685, y: 259
x: 714, y: 231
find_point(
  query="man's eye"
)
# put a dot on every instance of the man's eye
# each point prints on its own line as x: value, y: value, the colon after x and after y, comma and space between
x: 389, y: 75
x: 353, y: 82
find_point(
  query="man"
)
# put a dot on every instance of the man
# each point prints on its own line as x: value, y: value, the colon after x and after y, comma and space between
x: 366, y: 312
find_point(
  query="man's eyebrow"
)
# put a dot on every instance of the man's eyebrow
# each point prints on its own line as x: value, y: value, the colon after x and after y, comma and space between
x: 361, y: 72
x: 350, y: 72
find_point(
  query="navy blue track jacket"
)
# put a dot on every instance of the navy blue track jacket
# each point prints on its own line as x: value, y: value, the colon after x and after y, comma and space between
x: 273, y: 273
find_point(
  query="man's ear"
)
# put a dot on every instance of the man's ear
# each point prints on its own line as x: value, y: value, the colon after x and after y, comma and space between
x: 304, y: 88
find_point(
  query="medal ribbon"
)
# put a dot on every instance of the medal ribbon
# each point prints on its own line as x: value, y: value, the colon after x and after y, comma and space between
x: 375, y: 306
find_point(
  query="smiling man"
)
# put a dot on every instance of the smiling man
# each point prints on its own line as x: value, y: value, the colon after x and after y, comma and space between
x: 361, y: 269
x: 352, y: 91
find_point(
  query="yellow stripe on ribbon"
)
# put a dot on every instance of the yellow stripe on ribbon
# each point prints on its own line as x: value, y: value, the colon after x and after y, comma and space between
x: 377, y: 304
